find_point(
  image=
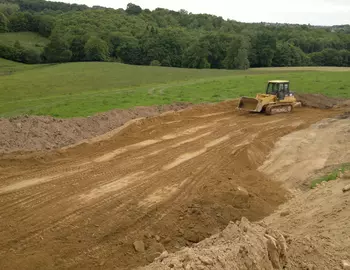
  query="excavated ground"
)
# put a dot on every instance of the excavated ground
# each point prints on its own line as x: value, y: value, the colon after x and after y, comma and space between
x: 165, y: 182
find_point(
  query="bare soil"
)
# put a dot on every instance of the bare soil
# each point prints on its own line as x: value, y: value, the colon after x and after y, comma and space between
x: 33, y: 133
x: 38, y: 133
x: 117, y: 201
x: 310, y: 231
x: 318, y: 101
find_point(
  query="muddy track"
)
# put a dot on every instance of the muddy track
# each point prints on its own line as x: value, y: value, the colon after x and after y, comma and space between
x: 169, y: 181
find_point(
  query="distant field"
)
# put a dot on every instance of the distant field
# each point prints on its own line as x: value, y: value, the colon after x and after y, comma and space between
x: 27, y: 39
x: 82, y: 89
x: 9, y: 67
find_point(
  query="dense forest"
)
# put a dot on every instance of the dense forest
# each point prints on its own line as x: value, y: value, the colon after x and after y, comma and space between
x: 167, y: 38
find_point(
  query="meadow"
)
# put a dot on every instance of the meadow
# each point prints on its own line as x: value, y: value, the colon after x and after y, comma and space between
x: 27, y: 40
x: 83, y: 89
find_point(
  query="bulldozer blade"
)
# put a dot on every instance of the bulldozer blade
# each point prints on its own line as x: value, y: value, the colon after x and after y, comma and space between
x: 248, y: 104
x: 297, y: 105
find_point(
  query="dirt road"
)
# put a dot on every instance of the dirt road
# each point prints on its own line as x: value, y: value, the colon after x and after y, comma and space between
x: 167, y: 182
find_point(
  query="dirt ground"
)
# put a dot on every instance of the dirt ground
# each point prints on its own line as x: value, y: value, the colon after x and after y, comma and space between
x: 42, y: 133
x: 118, y: 201
x: 310, y: 231
x: 34, y: 133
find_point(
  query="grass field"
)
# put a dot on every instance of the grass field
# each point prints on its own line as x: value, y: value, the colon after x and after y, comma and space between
x: 28, y: 40
x: 9, y: 67
x: 82, y: 89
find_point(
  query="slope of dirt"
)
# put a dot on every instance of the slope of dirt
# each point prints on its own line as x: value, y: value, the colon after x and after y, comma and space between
x: 311, y: 231
x: 298, y: 156
x: 318, y: 227
x: 159, y: 183
x: 318, y: 101
x: 32, y: 133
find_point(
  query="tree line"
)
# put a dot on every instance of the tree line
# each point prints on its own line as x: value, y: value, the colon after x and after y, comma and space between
x: 166, y: 38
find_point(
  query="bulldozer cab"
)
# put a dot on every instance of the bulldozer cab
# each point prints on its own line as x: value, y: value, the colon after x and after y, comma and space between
x: 278, y: 88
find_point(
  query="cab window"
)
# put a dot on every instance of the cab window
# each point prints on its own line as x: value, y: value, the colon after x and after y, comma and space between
x: 272, y: 88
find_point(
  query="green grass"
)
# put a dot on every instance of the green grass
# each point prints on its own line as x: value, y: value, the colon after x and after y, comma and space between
x: 331, y: 176
x: 28, y: 40
x: 82, y: 89
x: 9, y: 67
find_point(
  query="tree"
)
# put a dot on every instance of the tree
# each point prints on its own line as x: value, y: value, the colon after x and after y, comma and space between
x: 7, y: 8
x: 241, y: 61
x: 31, y: 56
x: 57, y: 50
x: 96, y: 49
x: 45, y: 25
x: 264, y: 47
x: 133, y: 9
x: 17, y: 51
x: 177, y: 39
x: 23, y: 21
x: 3, y: 23
x: 232, y: 51
x: 282, y: 57
x: 196, y: 56
x: 129, y: 50
x: 78, y: 48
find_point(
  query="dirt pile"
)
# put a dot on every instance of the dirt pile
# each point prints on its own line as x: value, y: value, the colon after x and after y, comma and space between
x: 318, y: 101
x: 311, y: 231
x: 318, y: 225
x: 242, y: 245
x: 32, y: 133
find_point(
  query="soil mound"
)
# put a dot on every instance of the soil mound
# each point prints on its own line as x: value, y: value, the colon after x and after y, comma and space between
x: 318, y: 101
x: 33, y: 133
x: 242, y: 245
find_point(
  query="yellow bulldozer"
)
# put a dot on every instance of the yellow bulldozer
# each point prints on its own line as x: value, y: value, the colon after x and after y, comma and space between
x: 278, y: 99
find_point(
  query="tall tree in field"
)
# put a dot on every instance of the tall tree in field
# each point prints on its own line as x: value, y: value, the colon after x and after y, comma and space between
x: 3, y: 23
x: 232, y: 51
x: 96, y: 49
x: 241, y: 61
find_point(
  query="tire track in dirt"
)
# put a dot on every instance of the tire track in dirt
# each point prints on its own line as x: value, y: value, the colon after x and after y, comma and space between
x: 183, y: 186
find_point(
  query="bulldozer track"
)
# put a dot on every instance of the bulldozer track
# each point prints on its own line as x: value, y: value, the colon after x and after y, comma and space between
x: 278, y: 108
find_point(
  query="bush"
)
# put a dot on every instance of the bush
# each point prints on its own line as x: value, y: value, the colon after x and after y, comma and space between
x: 155, y: 63
x: 20, y: 54
x: 30, y: 56
x: 96, y: 49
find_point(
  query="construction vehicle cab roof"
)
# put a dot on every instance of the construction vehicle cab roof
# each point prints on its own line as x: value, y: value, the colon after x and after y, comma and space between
x: 278, y: 81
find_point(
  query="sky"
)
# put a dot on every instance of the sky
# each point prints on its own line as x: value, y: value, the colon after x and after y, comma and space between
x: 315, y: 12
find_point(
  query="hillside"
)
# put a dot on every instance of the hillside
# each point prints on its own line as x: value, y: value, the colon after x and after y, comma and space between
x: 168, y: 38
x: 83, y: 89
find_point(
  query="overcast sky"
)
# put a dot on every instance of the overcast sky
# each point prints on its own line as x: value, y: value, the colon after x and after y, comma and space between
x: 317, y: 12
